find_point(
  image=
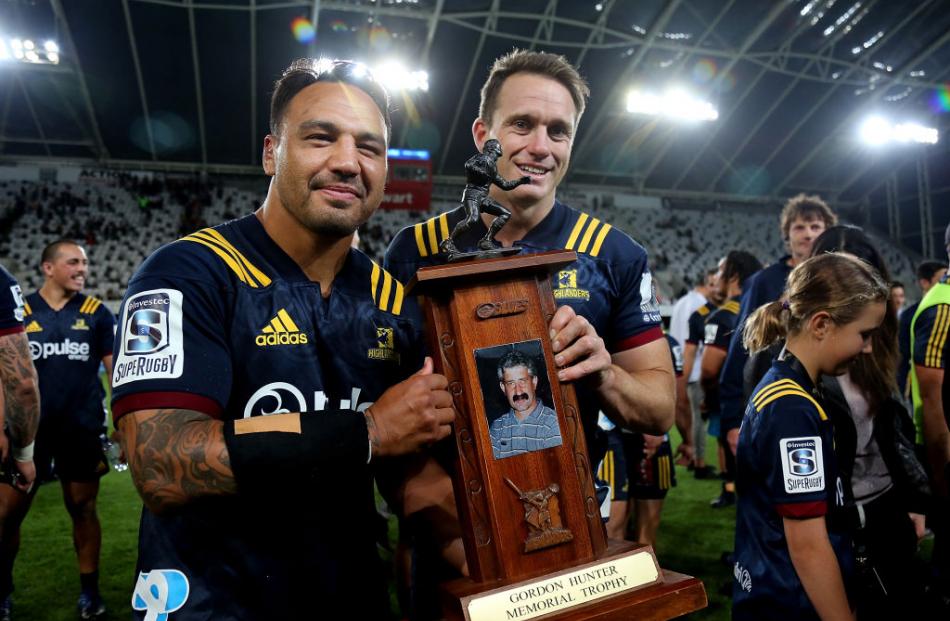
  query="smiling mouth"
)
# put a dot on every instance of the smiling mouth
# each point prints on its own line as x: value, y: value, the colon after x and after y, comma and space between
x: 533, y: 171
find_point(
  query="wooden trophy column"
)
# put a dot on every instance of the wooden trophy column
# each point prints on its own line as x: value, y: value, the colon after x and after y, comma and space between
x: 534, y: 539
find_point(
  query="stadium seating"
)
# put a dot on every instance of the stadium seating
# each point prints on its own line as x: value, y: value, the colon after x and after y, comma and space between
x: 123, y: 219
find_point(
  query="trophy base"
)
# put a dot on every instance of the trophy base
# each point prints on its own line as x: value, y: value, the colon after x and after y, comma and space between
x: 482, y: 254
x: 625, y: 583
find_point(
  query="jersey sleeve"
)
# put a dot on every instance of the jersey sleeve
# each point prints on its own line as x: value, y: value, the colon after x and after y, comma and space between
x: 11, y: 304
x: 400, y: 257
x: 696, y: 326
x: 636, y: 313
x: 171, y: 348
x: 676, y: 351
x: 930, y: 336
x: 105, y: 331
x: 718, y: 330
x: 795, y: 462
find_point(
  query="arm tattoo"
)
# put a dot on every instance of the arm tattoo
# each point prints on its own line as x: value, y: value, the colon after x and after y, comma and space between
x: 20, y: 387
x: 371, y: 430
x: 176, y: 456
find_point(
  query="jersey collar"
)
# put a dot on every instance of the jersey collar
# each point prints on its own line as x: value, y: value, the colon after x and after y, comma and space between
x: 791, y: 366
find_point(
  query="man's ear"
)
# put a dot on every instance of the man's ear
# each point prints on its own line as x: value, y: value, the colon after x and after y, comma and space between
x: 534, y: 382
x: 480, y: 133
x: 269, y: 156
x: 502, y: 386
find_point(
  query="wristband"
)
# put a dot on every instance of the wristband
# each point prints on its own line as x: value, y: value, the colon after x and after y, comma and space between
x: 290, y: 449
x: 23, y: 454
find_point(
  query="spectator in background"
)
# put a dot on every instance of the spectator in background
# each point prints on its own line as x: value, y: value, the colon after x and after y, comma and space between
x: 686, y: 421
x: 898, y: 296
x: 929, y: 273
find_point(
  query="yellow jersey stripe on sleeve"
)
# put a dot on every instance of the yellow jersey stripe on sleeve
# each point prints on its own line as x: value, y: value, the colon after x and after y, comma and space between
x: 26, y: 309
x: 82, y: 307
x: 938, y: 336
x: 576, y: 231
x: 209, y: 239
x: 588, y: 234
x: 774, y: 386
x: 420, y: 242
x: 374, y: 281
x: 397, y: 301
x: 599, y: 241
x: 384, y: 296
x: 228, y: 259
x: 703, y: 311
x: 443, y: 226
x: 256, y: 273
x: 793, y: 392
x: 433, y: 242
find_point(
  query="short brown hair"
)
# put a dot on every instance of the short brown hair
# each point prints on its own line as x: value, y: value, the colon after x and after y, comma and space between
x: 544, y: 64
x: 806, y: 207
x: 52, y: 250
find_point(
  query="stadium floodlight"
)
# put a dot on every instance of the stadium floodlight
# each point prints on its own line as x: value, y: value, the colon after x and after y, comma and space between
x: 27, y: 51
x: 877, y: 131
x: 51, y: 47
x: 397, y: 77
x: 4, y: 51
x: 675, y: 104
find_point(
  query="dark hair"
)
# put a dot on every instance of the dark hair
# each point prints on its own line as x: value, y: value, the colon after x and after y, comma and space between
x: 741, y: 264
x: 50, y: 252
x: 928, y: 269
x: 808, y: 208
x: 306, y: 71
x: 515, y: 358
x: 552, y: 66
x: 895, y: 284
x: 876, y: 374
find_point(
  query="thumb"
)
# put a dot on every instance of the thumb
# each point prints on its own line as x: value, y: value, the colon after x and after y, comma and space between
x: 427, y: 367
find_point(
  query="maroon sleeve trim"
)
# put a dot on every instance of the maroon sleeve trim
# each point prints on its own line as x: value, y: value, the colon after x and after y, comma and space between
x: 163, y: 399
x: 13, y: 330
x: 647, y: 336
x: 802, y: 510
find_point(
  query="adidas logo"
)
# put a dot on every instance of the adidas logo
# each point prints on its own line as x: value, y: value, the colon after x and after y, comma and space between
x: 34, y: 327
x: 281, y: 330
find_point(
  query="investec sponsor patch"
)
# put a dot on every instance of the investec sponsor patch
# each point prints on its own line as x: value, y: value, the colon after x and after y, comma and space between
x: 802, y: 465
x: 532, y: 599
x: 151, y: 337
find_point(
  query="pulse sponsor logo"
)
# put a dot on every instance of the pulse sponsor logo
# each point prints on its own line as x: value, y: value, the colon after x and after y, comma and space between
x: 281, y: 330
x: 282, y: 398
x: 151, y: 337
x: 567, y: 287
x: 70, y: 349
x: 160, y: 592
x: 802, y: 465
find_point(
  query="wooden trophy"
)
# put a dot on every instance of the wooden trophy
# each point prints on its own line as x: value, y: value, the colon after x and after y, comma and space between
x: 534, y: 538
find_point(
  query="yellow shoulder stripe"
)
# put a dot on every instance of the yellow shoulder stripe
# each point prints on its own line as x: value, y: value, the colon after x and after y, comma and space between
x: 90, y: 305
x: 938, y: 337
x: 798, y: 393
x: 431, y: 233
x: 703, y: 311
x: 26, y: 309
x: 391, y: 288
x: 232, y: 257
x: 585, y: 229
x: 732, y: 306
x: 774, y: 387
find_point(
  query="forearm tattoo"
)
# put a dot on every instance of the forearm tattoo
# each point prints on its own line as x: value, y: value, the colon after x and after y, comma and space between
x: 20, y: 388
x: 176, y: 456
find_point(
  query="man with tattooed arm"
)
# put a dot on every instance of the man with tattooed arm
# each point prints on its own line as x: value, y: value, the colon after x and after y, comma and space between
x: 20, y: 411
x: 265, y: 370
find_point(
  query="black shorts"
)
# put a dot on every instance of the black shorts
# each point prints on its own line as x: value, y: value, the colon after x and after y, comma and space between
x: 70, y: 456
x: 629, y: 475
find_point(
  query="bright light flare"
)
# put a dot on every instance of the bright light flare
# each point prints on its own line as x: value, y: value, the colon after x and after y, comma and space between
x: 877, y: 131
x: 674, y: 103
x: 397, y: 78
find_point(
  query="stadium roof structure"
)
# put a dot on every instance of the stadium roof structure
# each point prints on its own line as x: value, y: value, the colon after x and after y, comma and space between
x: 791, y: 80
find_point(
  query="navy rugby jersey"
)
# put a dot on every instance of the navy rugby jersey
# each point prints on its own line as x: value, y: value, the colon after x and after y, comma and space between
x: 718, y: 330
x: 785, y: 468
x: 225, y: 323
x: 763, y: 287
x: 11, y: 304
x: 697, y: 323
x: 609, y: 284
x: 67, y: 346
